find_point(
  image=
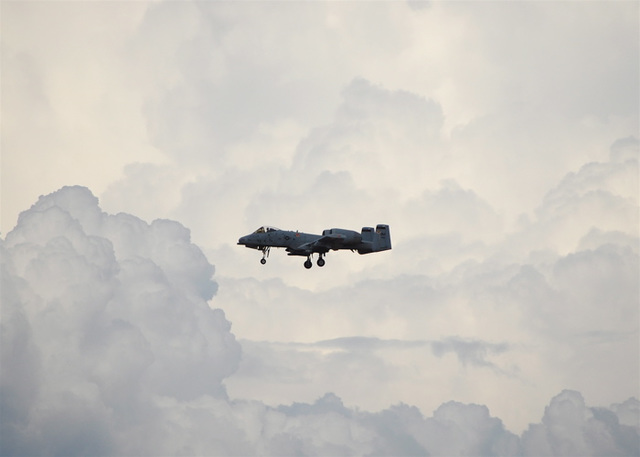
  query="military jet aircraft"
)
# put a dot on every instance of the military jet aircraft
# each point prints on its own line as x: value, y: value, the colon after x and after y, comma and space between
x: 307, y: 244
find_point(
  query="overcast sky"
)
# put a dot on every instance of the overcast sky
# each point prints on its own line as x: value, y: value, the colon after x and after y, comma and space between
x: 500, y: 142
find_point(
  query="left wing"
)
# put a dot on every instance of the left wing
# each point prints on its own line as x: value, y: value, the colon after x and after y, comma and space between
x: 321, y: 245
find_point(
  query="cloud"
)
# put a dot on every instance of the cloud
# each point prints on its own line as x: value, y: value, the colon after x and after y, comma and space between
x: 485, y: 146
x: 72, y: 107
x: 378, y: 136
x: 472, y: 352
x: 202, y: 86
x: 552, y: 303
x: 569, y: 427
x: 103, y: 311
x: 110, y: 347
x: 599, y: 196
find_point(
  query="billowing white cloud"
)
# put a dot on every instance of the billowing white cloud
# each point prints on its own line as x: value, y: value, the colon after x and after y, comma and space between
x: 504, y: 158
x: 109, y: 347
x: 559, y: 295
x: 569, y: 427
x: 101, y: 312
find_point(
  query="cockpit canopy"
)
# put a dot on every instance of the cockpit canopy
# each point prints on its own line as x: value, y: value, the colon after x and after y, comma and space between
x: 265, y: 229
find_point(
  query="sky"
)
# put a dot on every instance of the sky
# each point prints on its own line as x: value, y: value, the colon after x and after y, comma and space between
x: 500, y: 142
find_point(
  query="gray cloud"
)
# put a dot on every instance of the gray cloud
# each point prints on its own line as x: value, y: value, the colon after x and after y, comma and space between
x: 558, y: 296
x: 102, y: 311
x: 472, y: 352
x: 109, y: 347
x: 515, y: 261
x: 569, y: 427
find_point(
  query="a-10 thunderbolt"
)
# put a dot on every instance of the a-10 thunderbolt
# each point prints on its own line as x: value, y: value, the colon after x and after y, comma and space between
x: 307, y: 244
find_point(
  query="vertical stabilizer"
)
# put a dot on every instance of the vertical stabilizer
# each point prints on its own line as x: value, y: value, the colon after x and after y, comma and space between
x: 384, y: 237
x: 375, y: 241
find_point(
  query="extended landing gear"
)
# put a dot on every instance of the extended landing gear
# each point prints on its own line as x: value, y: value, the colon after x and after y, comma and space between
x: 308, y: 263
x: 265, y: 253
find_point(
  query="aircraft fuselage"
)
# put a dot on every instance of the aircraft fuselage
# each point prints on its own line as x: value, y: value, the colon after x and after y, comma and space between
x: 307, y: 244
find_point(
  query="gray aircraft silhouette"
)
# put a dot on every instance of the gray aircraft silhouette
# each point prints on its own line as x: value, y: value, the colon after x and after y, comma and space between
x: 307, y: 244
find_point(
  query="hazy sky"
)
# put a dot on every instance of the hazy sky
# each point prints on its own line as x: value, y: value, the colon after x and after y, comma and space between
x: 500, y: 142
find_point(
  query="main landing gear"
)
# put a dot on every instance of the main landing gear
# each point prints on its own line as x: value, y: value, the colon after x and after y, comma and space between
x: 308, y: 264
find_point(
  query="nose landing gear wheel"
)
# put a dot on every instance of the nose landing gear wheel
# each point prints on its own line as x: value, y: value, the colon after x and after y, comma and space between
x: 308, y: 264
x: 265, y: 253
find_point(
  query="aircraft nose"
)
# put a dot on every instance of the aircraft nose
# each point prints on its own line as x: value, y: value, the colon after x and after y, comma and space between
x: 242, y: 240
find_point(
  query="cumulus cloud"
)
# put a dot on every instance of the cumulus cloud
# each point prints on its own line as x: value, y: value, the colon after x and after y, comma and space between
x: 552, y: 303
x: 514, y: 273
x: 100, y: 312
x: 569, y: 427
x: 110, y: 347
x: 204, y: 86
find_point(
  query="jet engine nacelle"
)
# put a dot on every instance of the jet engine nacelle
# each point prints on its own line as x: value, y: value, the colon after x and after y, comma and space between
x: 349, y: 237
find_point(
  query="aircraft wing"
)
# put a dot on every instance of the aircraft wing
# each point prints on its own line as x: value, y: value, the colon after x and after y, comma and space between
x: 322, y: 244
